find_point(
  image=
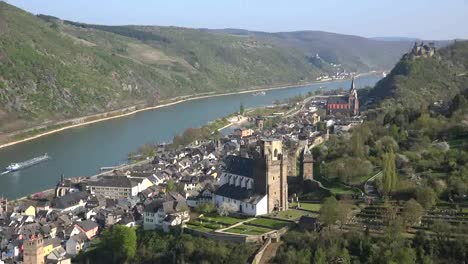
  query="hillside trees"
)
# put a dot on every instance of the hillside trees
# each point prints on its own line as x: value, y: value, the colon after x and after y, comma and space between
x: 121, y: 242
x: 389, y: 173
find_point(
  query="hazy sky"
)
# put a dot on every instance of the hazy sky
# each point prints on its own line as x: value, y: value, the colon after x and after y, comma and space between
x: 428, y: 19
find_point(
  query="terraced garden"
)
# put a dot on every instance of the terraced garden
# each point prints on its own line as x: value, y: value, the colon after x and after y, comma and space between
x: 292, y: 214
x: 213, y: 222
x: 268, y: 222
x: 246, y: 229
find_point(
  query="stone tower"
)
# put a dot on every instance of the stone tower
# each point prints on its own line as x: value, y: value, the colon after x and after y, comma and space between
x: 353, y: 100
x: 259, y: 122
x: 3, y: 205
x: 307, y: 165
x: 271, y: 174
x: 33, y: 252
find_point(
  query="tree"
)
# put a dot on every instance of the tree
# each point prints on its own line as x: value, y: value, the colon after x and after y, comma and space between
x: 321, y: 126
x: 320, y: 257
x: 329, y: 211
x: 343, y: 210
x: 426, y: 197
x: 226, y: 208
x: 121, y: 241
x: 147, y: 150
x: 205, y: 208
x: 389, y: 173
x: 390, y: 213
x: 412, y: 213
x: 241, y: 109
x: 170, y: 186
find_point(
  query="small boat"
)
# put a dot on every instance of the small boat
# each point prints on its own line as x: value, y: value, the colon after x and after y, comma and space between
x: 21, y: 165
x: 259, y: 93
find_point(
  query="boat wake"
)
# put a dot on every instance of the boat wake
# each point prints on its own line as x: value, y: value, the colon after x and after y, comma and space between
x: 5, y: 172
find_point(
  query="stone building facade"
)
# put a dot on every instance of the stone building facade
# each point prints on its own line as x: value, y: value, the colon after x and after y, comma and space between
x: 258, y: 185
x: 271, y: 174
x: 33, y: 251
x: 307, y: 165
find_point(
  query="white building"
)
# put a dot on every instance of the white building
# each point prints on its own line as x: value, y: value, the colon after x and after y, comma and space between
x: 117, y: 187
x: 164, y: 213
x: 237, y: 188
x: 76, y: 244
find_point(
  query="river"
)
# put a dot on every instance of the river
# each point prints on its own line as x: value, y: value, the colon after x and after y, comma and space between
x: 83, y: 150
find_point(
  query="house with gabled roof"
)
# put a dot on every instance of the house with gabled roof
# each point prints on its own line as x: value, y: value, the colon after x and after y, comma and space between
x: 172, y: 210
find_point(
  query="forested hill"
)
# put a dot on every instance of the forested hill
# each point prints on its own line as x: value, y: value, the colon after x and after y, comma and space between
x: 353, y: 52
x: 418, y: 81
x: 52, y: 69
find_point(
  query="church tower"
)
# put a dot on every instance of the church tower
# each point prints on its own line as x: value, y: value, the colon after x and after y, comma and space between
x: 3, y: 205
x: 307, y: 165
x: 271, y: 174
x: 33, y: 252
x: 353, y: 101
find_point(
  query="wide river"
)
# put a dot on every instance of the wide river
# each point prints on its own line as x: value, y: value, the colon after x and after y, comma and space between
x: 82, y: 151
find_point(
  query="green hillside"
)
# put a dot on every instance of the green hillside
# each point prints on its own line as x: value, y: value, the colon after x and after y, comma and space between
x: 52, y: 69
x: 353, y: 52
x: 417, y: 82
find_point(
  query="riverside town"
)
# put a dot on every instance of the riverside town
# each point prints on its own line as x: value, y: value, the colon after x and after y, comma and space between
x: 170, y: 134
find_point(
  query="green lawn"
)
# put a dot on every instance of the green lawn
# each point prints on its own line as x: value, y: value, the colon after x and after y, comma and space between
x: 292, y: 214
x: 269, y: 223
x: 227, y: 220
x: 310, y: 206
x: 249, y: 230
x: 199, y: 228
x: 213, y: 222
x: 207, y: 224
x: 314, y: 207
x: 334, y: 186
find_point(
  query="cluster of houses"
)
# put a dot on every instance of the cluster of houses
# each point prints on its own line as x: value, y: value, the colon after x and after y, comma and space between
x: 246, y: 172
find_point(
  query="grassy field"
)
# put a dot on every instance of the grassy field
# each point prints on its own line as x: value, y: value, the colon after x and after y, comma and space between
x: 199, y: 228
x: 249, y: 230
x: 292, y: 214
x: 213, y: 222
x: 334, y: 186
x: 227, y: 220
x: 269, y: 223
x: 314, y: 207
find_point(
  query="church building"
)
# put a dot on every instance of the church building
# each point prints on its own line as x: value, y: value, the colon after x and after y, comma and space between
x: 345, y: 105
x: 255, y: 186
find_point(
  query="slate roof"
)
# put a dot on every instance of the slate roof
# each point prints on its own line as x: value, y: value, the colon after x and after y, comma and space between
x: 239, y: 165
x: 168, y: 207
x: 79, y: 238
x: 114, y: 181
x: 70, y: 199
x: 338, y: 100
x: 55, y: 242
x: 238, y: 193
x: 87, y: 225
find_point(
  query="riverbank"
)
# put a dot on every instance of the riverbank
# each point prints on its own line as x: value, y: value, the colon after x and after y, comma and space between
x: 83, y: 121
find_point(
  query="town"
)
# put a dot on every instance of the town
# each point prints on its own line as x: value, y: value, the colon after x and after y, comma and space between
x: 251, y: 186
x: 241, y: 187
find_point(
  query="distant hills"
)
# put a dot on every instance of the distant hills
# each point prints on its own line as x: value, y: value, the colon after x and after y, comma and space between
x: 52, y: 69
x: 353, y: 52
x: 418, y: 81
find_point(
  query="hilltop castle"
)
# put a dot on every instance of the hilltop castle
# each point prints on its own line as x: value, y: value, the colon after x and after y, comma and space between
x: 423, y: 50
